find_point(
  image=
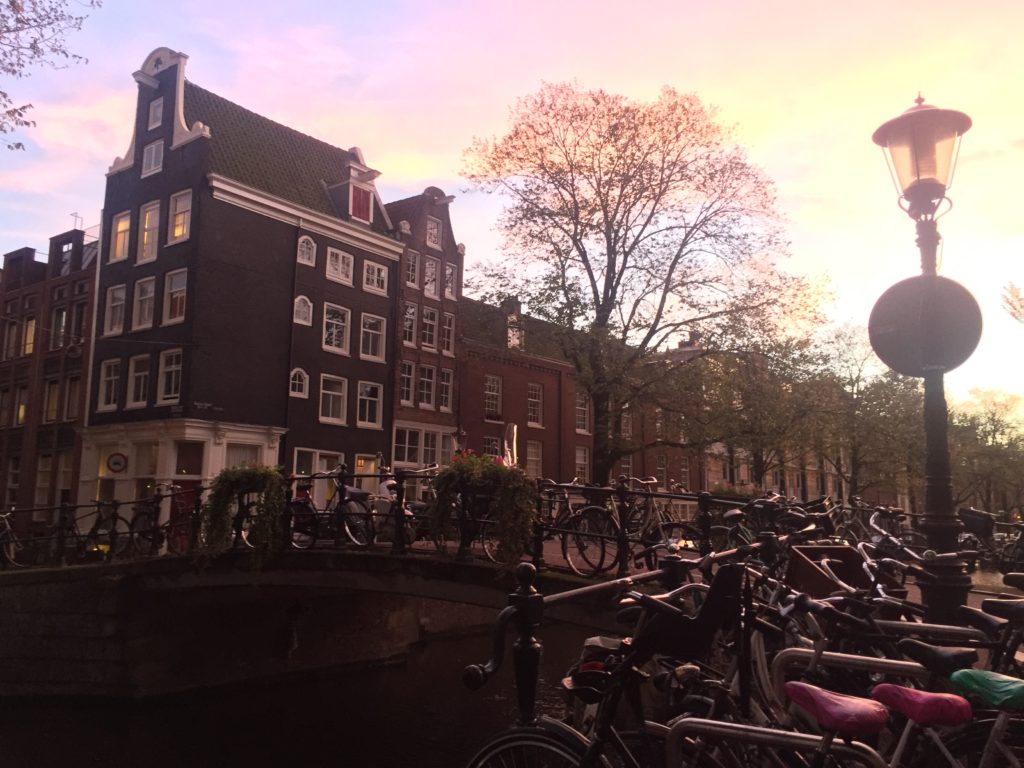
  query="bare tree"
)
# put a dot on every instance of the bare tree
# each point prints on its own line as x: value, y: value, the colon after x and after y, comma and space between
x: 627, y: 224
x: 32, y: 34
x: 1013, y: 302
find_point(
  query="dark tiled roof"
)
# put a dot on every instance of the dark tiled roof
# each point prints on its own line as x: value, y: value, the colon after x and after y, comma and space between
x: 486, y: 324
x: 406, y: 209
x: 266, y: 155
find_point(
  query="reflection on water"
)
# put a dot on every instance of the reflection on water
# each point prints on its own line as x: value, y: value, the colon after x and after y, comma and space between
x: 413, y: 712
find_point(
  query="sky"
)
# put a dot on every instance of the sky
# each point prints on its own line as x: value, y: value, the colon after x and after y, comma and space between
x: 803, y: 84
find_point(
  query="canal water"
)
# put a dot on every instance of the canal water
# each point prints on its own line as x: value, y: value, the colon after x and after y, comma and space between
x: 413, y: 712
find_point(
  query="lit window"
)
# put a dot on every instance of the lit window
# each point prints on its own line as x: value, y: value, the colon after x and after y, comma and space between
x: 369, y: 405
x: 58, y: 327
x: 433, y: 232
x: 138, y: 381
x: 362, y: 203
x: 153, y: 158
x: 51, y: 402
x: 405, y: 374
x: 180, y: 217
x: 428, y: 331
x: 149, y: 232
x: 120, y: 228
x: 375, y: 278
x: 535, y: 404
x: 110, y: 376
x: 113, y: 318
x: 298, y: 384
x: 156, y: 114
x: 175, y: 288
x: 444, y: 389
x: 28, y: 341
x: 582, y: 412
x: 409, y: 325
x: 20, y: 405
x: 450, y: 275
x: 339, y: 266
x: 302, y: 311
x: 492, y: 397
x: 412, y: 269
x: 371, y: 340
x: 170, y: 377
x: 307, y: 251
x: 430, y: 277
x: 332, y: 399
x: 425, y: 388
x: 143, y: 301
x: 336, y: 325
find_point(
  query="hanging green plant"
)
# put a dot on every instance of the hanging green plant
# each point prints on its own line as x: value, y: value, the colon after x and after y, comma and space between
x: 260, y: 490
x: 489, y: 490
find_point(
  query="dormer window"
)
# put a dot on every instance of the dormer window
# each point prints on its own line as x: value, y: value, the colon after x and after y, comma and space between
x: 156, y: 113
x: 307, y: 251
x: 361, y: 203
x: 434, y: 232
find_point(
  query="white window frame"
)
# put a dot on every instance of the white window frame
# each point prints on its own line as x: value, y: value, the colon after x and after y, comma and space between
x: 337, y: 349
x: 342, y: 398
x: 140, y: 303
x: 149, y: 232
x: 534, y: 465
x: 445, y: 389
x: 302, y: 311
x: 428, y: 328
x: 152, y: 158
x: 351, y: 202
x: 431, y: 267
x: 179, y: 219
x: 433, y: 235
x: 113, y: 320
x: 410, y: 324
x: 364, y: 332
x: 406, y: 379
x: 339, y: 266
x: 107, y: 396
x: 582, y: 409
x: 379, y: 404
x: 171, y: 297
x: 120, y: 236
x: 411, y: 268
x: 167, y: 372
x: 375, y: 278
x: 581, y: 463
x: 535, y: 403
x: 492, y: 396
x: 133, y: 375
x: 301, y: 378
x: 305, y: 251
x: 426, y: 387
x: 156, y: 113
x: 448, y: 334
x: 451, y: 286
x: 491, y: 446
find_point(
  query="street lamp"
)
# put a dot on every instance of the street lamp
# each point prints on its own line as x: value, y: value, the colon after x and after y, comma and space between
x: 928, y: 325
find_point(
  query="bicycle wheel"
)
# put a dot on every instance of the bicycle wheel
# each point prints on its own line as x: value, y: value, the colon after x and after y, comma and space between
x: 302, y: 520
x: 119, y: 537
x: 143, y: 536
x: 358, y: 524
x: 491, y: 545
x: 10, y: 549
x: 527, y: 748
x: 179, y: 534
x: 244, y: 524
x: 685, y: 538
x: 584, y: 545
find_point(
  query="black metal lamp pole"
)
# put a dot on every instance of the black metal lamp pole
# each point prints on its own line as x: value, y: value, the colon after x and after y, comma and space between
x: 921, y: 147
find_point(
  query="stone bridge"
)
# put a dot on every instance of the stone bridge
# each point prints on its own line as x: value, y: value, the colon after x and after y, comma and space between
x: 170, y: 624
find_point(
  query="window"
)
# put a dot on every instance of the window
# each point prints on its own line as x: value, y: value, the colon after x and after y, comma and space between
x: 371, y: 339
x: 332, y: 399
x: 627, y: 422
x: 684, y: 471
x: 306, y: 253
x: 412, y: 269
x: 113, y: 318
x: 428, y: 331
x: 407, y: 446
x: 444, y: 389
x: 71, y: 394
x: 535, y: 404
x: 582, y: 464
x: 120, y: 229
x: 20, y: 405
x: 149, y: 232
x: 302, y: 311
x: 450, y: 274
x: 44, y: 470
x: 661, y: 470
x: 429, y: 447
x: 138, y: 381
x: 430, y: 277
x: 339, y: 266
x: 51, y: 401
x: 13, y: 479
x: 78, y: 322
x: 369, y: 405
x: 28, y: 341
x: 492, y: 446
x: 626, y: 465
x: 375, y: 278
x: 336, y: 325
x: 142, y: 308
x: 66, y: 252
x: 298, y: 384
x: 156, y: 114
x: 170, y: 377
x: 361, y: 203
x: 10, y: 340
x: 180, y: 217
x: 492, y: 397
x: 153, y: 158
x: 59, y: 327
x: 405, y: 374
x: 409, y: 325
x: 175, y: 285
x: 582, y: 412
x: 241, y: 455
x: 433, y: 232
x: 534, y: 458
x: 425, y: 389
x: 448, y: 334
x: 110, y: 376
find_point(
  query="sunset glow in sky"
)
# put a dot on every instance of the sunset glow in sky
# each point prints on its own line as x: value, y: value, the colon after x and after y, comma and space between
x: 804, y: 83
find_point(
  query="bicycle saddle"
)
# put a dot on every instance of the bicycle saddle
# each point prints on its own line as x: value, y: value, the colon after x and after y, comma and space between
x: 1014, y: 580
x: 999, y: 691
x: 976, y: 618
x: 923, y: 707
x: 936, y: 659
x: 1011, y: 610
x: 836, y: 712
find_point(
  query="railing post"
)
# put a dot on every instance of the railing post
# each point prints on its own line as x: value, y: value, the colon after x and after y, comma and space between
x: 538, y: 530
x: 621, y: 493
x: 398, y: 515
x: 467, y: 520
x: 526, y: 650
x: 704, y: 521
x: 63, y: 521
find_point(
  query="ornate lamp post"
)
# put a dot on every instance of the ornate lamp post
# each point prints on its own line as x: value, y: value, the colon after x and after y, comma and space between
x: 927, y: 325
